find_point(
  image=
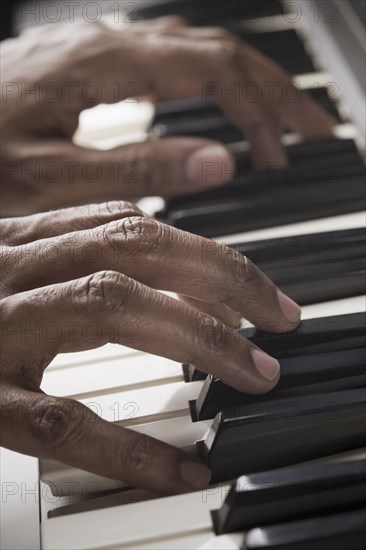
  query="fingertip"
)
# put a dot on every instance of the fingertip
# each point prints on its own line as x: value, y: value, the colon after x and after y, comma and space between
x: 210, y: 165
x: 267, y: 366
x: 195, y: 474
x: 290, y: 309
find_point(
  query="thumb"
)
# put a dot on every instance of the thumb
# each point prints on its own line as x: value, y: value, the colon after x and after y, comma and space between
x: 166, y: 167
x: 59, y: 173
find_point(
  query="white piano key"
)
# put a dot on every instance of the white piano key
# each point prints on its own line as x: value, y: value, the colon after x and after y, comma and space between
x: 120, y: 372
x: 114, y: 124
x: 178, y: 522
x: 177, y: 431
x: 356, y: 304
x: 146, y: 404
x: 232, y: 541
x: 19, y: 517
x: 108, y: 351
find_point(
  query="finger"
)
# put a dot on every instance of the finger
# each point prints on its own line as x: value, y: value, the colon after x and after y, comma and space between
x: 65, y: 430
x: 180, y: 67
x: 18, y: 231
x: 164, y: 167
x: 214, y: 68
x: 164, y: 258
x: 297, y: 109
x: 219, y: 311
x: 110, y: 307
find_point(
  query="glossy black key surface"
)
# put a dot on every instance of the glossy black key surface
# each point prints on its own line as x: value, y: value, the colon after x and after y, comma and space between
x: 315, y: 248
x: 307, y: 374
x: 249, y: 208
x: 278, y: 433
x: 343, y: 531
x: 198, y: 117
x: 291, y: 493
x: 205, y: 109
x: 309, y: 284
x: 337, y: 332
x: 323, y: 179
x: 207, y: 12
x: 325, y: 334
x: 284, y: 47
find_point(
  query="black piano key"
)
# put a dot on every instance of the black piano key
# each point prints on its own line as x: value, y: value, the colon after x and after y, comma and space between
x: 323, y: 179
x: 291, y: 493
x: 307, y: 374
x: 208, y: 12
x: 320, y: 162
x: 285, y: 47
x: 218, y: 129
x: 266, y: 205
x: 283, y: 432
x: 204, y: 110
x: 326, y: 334
x: 343, y: 531
x: 316, y: 248
x: 204, y: 119
x: 309, y: 284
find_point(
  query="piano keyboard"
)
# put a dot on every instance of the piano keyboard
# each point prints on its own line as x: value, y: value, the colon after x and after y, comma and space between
x: 73, y: 509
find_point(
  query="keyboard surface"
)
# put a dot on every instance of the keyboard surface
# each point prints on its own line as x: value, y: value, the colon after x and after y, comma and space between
x: 151, y: 395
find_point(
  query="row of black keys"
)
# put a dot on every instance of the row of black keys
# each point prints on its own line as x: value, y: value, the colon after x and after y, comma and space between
x: 323, y: 179
x: 323, y: 359
x: 302, y: 508
x: 202, y: 118
x: 210, y: 12
x: 317, y: 409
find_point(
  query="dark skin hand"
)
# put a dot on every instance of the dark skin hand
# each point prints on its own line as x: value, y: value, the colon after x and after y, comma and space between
x: 103, y: 265
x: 75, y: 66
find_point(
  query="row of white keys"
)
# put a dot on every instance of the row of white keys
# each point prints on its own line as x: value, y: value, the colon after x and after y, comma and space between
x: 156, y: 412
x: 177, y: 522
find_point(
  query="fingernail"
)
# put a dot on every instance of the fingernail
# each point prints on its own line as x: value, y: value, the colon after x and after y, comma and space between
x: 266, y: 365
x: 290, y: 308
x: 212, y: 165
x: 195, y: 474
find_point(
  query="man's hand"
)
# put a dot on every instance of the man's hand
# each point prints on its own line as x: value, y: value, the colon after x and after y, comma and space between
x: 51, y: 75
x: 101, y: 266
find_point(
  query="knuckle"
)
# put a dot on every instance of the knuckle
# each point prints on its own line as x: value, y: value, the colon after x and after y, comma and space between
x: 87, y: 33
x: 9, y: 258
x: 241, y: 269
x: 229, y: 47
x: 211, y: 334
x: 137, y: 234
x: 154, y: 167
x: 137, y: 454
x: 117, y: 208
x: 54, y: 423
x: 220, y: 33
x: 149, y: 167
x: 103, y: 292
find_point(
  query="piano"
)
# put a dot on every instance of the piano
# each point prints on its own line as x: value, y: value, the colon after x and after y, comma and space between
x: 289, y: 467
